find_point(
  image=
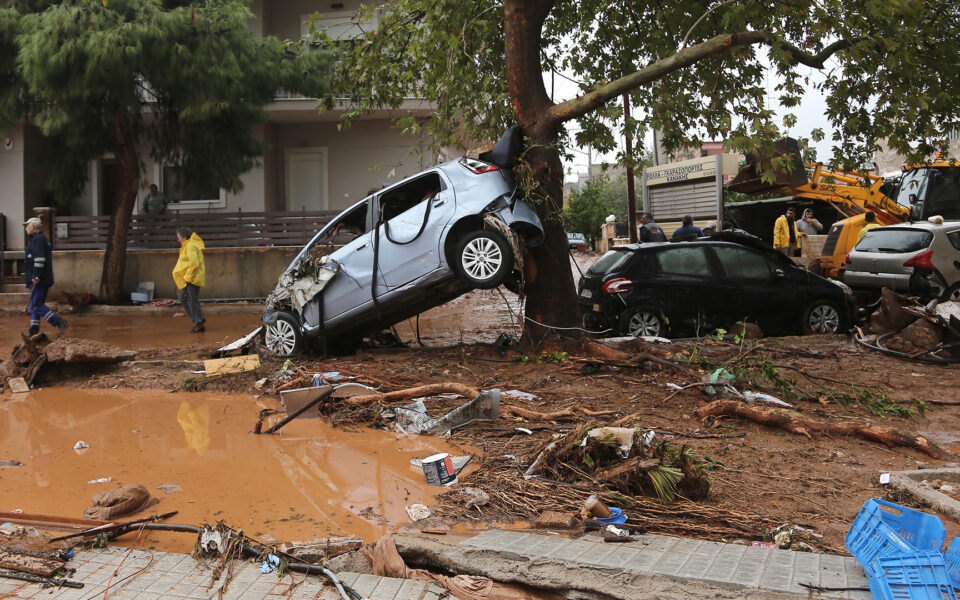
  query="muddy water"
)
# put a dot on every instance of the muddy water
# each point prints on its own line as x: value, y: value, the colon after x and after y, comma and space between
x: 311, y: 481
x: 141, y: 332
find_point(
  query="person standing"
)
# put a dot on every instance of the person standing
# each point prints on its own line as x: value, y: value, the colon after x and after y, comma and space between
x: 871, y: 218
x: 786, y: 238
x: 650, y: 231
x: 688, y: 231
x: 190, y: 275
x: 38, y: 268
x: 808, y: 224
x: 155, y: 202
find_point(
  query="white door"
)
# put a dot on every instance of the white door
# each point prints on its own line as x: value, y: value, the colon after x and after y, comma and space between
x: 306, y: 179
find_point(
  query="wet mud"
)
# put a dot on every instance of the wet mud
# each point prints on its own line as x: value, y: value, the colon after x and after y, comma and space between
x: 312, y: 481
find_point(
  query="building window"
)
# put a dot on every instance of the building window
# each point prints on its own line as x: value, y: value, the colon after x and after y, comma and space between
x: 184, y: 193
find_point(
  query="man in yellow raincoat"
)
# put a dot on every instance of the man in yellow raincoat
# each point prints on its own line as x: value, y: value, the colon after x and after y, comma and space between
x: 786, y: 237
x: 189, y: 275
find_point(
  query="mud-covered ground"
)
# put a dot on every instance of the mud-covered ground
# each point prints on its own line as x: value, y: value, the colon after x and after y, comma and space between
x: 818, y: 483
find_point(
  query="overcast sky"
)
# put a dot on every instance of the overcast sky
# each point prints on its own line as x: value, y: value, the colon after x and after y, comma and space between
x: 811, y: 114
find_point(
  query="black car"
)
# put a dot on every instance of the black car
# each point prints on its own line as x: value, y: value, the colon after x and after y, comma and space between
x: 695, y: 287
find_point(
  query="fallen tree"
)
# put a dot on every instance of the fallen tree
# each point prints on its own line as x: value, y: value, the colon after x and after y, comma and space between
x: 795, y: 422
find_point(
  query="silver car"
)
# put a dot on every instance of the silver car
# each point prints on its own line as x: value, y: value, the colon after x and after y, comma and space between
x: 403, y: 250
x: 920, y: 258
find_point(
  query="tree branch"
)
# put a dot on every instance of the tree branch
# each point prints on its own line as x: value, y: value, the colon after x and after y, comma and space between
x: 581, y: 105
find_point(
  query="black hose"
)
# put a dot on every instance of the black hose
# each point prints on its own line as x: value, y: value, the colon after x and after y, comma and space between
x: 376, y: 247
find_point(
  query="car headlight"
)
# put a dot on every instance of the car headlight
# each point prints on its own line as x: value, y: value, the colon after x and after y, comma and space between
x: 846, y: 288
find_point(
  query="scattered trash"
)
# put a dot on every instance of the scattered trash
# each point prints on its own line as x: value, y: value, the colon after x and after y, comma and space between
x: 617, y: 531
x: 753, y: 397
x: 767, y: 545
x: 884, y: 478
x: 12, y: 529
x: 510, y: 457
x: 232, y: 364
x: 18, y: 385
x: 652, y: 339
x: 293, y: 400
x: 720, y: 377
x: 594, y: 506
x: 241, y: 343
x: 212, y: 540
x: 418, y: 512
x: 675, y: 387
x: 101, y: 480
x: 413, y: 418
x: 520, y: 395
x: 332, y: 376
x: 478, y: 497
x: 551, y: 519
x: 524, y: 430
x: 270, y: 564
x: 260, y: 383
x: 10, y: 463
x: 459, y: 462
x: 81, y: 446
x: 438, y: 470
x: 169, y: 488
x: 617, y: 517
x: 128, y: 500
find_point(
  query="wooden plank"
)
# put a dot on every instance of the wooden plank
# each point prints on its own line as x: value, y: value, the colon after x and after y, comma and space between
x: 50, y: 522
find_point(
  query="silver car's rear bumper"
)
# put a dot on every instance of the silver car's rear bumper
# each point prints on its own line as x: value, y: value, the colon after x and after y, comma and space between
x: 864, y: 279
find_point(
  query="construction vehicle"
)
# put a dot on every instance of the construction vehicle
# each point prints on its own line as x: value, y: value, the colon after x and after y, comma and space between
x: 921, y: 191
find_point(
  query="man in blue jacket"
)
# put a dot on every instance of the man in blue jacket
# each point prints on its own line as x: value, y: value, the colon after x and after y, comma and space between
x: 38, y: 266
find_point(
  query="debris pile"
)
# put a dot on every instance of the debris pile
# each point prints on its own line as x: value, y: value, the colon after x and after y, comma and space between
x: 904, y: 327
x: 30, y: 356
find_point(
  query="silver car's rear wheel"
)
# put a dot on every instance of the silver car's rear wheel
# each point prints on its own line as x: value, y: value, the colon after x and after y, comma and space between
x: 484, y: 258
x: 283, y: 336
x: 641, y: 322
x: 821, y: 317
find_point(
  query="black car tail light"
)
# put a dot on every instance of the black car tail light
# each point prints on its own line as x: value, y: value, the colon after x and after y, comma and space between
x: 616, y: 286
x: 922, y: 261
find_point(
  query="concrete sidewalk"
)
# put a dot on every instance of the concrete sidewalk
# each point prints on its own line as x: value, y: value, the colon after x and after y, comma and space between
x: 147, y: 575
x: 683, y: 560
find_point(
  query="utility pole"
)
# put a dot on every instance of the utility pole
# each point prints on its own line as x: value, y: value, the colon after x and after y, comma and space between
x: 631, y: 197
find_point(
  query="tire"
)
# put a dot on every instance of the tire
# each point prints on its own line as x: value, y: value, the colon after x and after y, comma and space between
x: 639, y: 321
x: 283, y: 337
x: 822, y: 316
x: 952, y: 294
x: 484, y: 259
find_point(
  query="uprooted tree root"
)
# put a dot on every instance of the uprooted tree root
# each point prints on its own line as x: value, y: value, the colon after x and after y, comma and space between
x: 795, y: 422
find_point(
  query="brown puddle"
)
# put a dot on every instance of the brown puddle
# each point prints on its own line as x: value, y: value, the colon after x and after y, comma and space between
x: 312, y: 481
x: 138, y: 332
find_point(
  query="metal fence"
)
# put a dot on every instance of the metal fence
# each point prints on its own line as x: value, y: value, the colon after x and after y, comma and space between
x: 218, y: 230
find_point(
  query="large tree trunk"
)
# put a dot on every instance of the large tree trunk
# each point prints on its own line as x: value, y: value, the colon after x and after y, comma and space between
x: 115, y: 256
x: 551, y: 300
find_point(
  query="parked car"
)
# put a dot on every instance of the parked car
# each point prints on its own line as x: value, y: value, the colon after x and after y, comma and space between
x: 697, y: 286
x: 576, y: 240
x: 921, y: 258
x: 403, y: 250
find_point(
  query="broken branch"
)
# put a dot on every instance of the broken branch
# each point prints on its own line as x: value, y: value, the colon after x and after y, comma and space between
x: 795, y: 422
x: 424, y: 390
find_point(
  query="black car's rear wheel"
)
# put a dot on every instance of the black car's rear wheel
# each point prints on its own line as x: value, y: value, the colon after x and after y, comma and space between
x: 484, y: 259
x: 822, y: 316
x: 283, y: 337
x: 641, y: 322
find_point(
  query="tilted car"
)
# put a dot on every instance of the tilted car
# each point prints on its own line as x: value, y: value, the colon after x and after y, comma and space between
x: 697, y: 286
x: 403, y: 250
x: 921, y: 258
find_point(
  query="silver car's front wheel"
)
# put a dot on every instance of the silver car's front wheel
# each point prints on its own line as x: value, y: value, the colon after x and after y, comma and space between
x: 283, y: 336
x: 484, y: 258
x: 821, y: 317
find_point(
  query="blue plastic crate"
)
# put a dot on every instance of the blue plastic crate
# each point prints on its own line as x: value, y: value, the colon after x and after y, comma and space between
x: 883, y: 529
x: 952, y: 558
x: 916, y: 576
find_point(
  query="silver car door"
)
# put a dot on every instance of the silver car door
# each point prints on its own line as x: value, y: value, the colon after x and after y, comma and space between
x: 409, y: 253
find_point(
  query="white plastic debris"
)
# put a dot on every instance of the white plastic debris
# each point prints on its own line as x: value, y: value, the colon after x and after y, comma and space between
x: 652, y: 339
x: 674, y: 386
x: 766, y: 398
x: 884, y: 478
x: 418, y: 512
x: 524, y: 430
x: 618, y: 531
x: 80, y: 447
x: 520, y: 395
x: 101, y: 480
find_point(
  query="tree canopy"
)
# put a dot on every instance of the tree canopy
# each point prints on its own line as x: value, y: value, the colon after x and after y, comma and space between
x: 694, y: 69
x: 186, y: 81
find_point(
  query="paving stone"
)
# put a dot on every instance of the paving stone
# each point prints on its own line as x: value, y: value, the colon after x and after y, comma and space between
x: 572, y: 550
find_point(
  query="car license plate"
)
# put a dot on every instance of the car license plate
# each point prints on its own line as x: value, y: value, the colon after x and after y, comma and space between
x: 586, y: 293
